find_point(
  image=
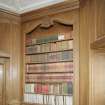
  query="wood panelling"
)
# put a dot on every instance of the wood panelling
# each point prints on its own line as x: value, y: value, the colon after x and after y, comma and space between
x: 6, y: 16
x: 87, y: 35
x: 84, y: 53
x: 10, y: 43
x: 100, y: 18
x: 3, y: 76
x: 2, y: 82
x: 57, y: 8
x: 97, y: 77
x: 69, y: 17
x: 91, y: 62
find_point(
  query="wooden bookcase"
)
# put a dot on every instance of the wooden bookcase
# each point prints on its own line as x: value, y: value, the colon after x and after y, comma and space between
x: 49, y: 69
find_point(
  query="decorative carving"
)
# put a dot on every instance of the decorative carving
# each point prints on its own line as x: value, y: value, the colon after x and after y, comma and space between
x: 48, y: 22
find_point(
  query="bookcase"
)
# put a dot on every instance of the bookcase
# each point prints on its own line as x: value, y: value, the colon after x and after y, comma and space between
x: 49, y: 69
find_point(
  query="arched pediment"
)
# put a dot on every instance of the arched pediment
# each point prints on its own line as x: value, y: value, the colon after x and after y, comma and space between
x: 48, y: 22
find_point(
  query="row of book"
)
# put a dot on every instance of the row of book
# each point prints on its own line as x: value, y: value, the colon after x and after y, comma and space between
x: 44, y: 88
x: 50, y: 47
x: 48, y: 99
x: 54, y: 77
x: 51, y: 67
x: 50, y: 57
x: 33, y: 40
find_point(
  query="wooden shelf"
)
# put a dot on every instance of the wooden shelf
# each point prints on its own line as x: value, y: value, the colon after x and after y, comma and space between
x: 48, y: 42
x: 99, y: 43
x: 48, y: 62
x: 44, y: 82
x: 28, y: 103
x: 49, y: 94
x: 50, y: 52
x: 50, y: 72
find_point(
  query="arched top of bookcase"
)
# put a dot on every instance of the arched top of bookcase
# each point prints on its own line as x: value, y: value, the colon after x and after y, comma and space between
x: 47, y: 22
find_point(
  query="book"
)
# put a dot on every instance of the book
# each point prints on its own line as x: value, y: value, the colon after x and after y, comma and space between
x: 53, y: 46
x: 51, y: 100
x: 29, y: 50
x: 69, y: 100
x: 39, y: 98
x: 67, y: 56
x: 70, y: 87
x: 28, y: 40
x: 38, y: 88
x: 64, y: 45
x: 70, y: 44
x: 45, y: 88
x: 29, y: 88
x: 61, y: 37
x: 56, y: 89
x: 36, y: 49
x: 51, y: 57
x: 60, y: 100
x: 51, y: 88
x: 65, y: 88
x: 68, y: 35
x: 46, y: 47
x: 43, y: 47
x: 26, y: 97
x: 68, y: 66
x: 27, y: 59
x: 32, y: 88
x: 34, y: 40
x: 59, y: 46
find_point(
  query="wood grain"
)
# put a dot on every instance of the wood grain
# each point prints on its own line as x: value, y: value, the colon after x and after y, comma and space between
x: 91, y: 61
x: 50, y: 10
x: 10, y: 43
x: 100, y: 18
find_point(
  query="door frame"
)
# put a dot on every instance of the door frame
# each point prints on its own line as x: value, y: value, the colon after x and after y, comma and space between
x: 4, y: 62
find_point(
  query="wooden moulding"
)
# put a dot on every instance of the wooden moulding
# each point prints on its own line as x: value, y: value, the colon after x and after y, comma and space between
x: 48, y: 22
x: 50, y: 10
x: 4, y: 55
x: 8, y: 15
x: 99, y: 43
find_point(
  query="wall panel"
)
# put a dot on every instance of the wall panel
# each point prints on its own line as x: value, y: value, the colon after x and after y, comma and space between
x: 10, y: 43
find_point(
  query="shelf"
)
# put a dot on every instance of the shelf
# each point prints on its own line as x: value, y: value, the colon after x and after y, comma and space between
x: 99, y: 43
x: 50, y: 52
x: 49, y: 94
x: 48, y: 62
x: 28, y: 103
x: 44, y: 82
x: 48, y: 42
x: 50, y: 72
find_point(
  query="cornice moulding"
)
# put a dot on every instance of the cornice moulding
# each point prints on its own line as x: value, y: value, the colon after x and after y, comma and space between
x: 50, y: 10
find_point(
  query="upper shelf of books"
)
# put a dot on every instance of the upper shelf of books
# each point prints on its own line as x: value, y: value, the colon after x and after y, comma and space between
x: 48, y: 44
x: 31, y: 41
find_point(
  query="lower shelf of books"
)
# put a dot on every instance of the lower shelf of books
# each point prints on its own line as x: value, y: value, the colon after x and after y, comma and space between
x: 39, y: 99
